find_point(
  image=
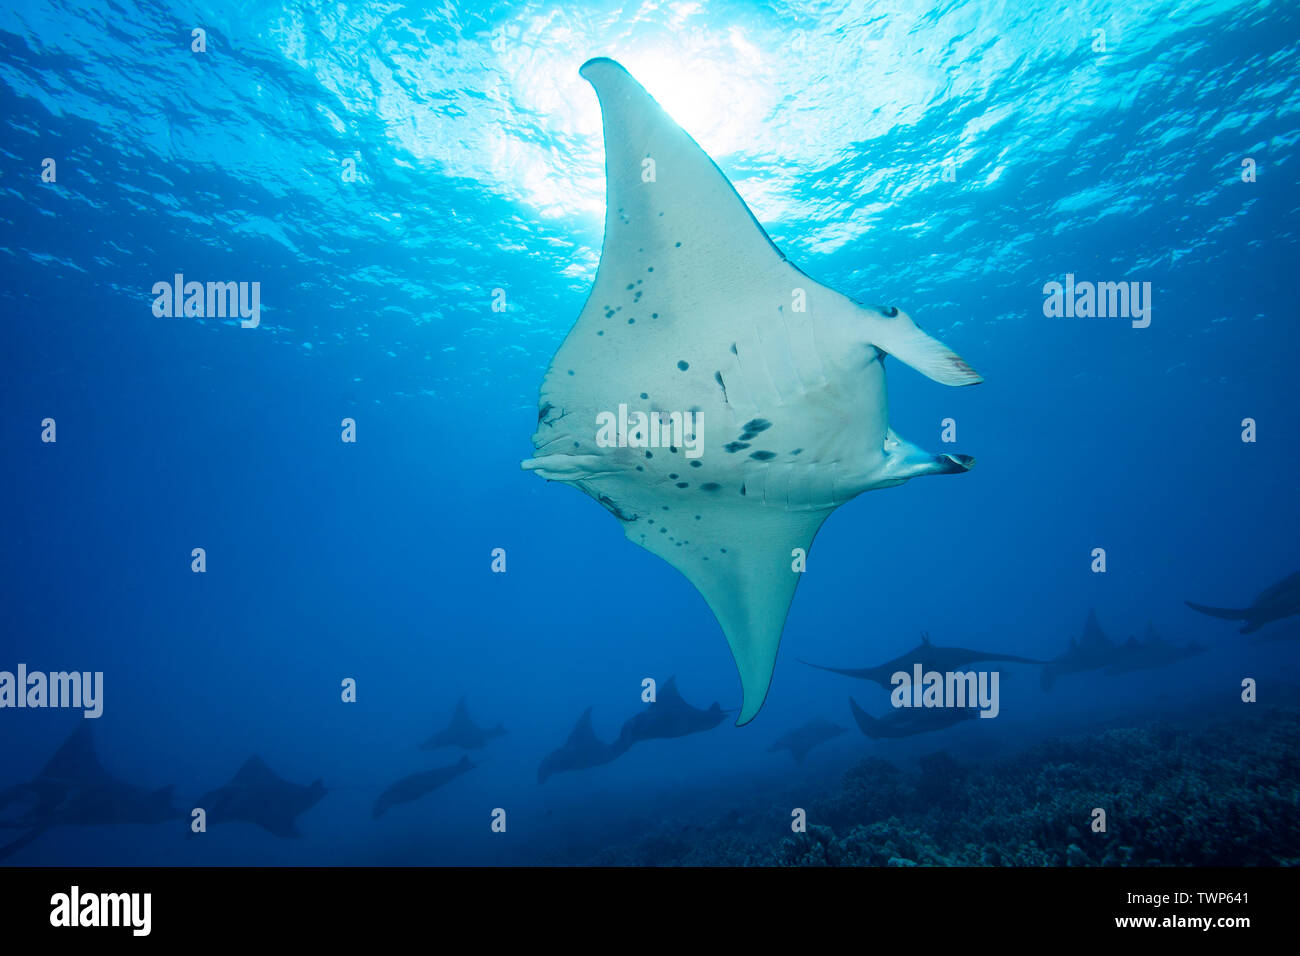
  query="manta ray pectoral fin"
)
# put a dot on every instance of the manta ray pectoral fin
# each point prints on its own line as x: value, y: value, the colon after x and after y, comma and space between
x: 899, y: 336
x: 1227, y: 613
x: 743, y: 570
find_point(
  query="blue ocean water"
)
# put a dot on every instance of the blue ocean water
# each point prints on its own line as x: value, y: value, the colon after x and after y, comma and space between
x: 950, y: 158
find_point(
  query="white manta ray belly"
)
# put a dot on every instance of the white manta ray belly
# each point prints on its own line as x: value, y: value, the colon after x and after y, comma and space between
x: 712, y: 397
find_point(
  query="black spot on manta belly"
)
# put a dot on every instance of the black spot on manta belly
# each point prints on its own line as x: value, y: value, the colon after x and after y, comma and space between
x: 697, y: 464
x: 757, y: 425
x: 683, y: 365
x: 708, y: 486
x: 763, y: 455
x: 735, y: 446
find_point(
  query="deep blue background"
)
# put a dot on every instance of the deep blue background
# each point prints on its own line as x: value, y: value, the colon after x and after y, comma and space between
x: 481, y: 169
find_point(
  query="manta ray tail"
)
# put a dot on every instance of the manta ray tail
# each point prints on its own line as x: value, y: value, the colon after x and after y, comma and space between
x: 1227, y: 613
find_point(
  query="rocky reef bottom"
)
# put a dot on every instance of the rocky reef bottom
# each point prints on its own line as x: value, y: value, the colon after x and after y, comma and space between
x: 1224, y: 793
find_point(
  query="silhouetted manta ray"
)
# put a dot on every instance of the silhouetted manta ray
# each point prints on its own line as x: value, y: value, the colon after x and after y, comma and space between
x: 1152, y: 651
x: 418, y: 784
x: 74, y: 789
x: 1279, y: 601
x: 668, y: 716
x: 694, y: 310
x: 931, y: 658
x: 462, y: 732
x: 581, y: 751
x: 256, y: 794
x: 803, y: 739
x: 908, y: 721
x: 1090, y: 652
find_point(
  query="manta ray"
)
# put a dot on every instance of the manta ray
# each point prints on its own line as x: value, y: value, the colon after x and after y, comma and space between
x: 774, y: 381
x: 581, y: 751
x: 74, y: 789
x: 931, y: 658
x: 1150, y: 652
x: 1092, y: 651
x: 1274, y: 603
x: 669, y: 716
x: 418, y: 784
x: 462, y: 732
x: 908, y: 721
x: 803, y: 739
x: 257, y: 794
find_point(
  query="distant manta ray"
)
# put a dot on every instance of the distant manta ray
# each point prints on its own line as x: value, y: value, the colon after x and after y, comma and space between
x: 1151, y: 652
x: 257, y: 794
x: 581, y: 751
x: 931, y: 658
x: 803, y: 739
x: 1274, y: 603
x: 418, y: 784
x: 908, y: 721
x: 74, y: 789
x: 694, y: 312
x: 669, y: 716
x: 462, y: 732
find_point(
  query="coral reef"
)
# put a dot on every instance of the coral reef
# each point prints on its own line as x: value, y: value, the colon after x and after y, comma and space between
x: 1223, y: 794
